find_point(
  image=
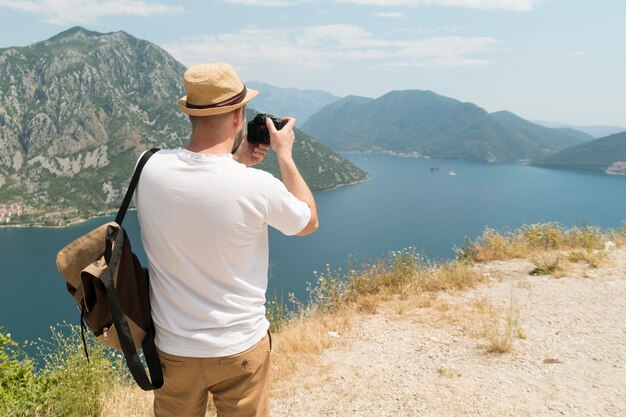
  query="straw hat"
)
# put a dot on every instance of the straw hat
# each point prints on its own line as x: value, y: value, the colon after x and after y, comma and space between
x: 213, y: 89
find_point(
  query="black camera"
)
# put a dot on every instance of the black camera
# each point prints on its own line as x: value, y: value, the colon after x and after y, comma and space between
x: 258, y: 131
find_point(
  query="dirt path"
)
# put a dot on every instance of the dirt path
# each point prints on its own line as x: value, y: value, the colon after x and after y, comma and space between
x: 428, y: 358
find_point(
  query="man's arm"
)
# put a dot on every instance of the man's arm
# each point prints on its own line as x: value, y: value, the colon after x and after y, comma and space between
x: 282, y: 142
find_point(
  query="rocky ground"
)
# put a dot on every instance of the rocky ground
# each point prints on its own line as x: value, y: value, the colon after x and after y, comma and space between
x: 430, y: 357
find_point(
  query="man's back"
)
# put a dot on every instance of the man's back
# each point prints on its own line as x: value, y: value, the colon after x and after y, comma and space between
x: 204, y: 216
x: 204, y: 221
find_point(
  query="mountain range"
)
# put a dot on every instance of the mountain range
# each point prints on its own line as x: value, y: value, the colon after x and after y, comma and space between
x: 597, y: 131
x: 77, y: 109
x: 294, y: 102
x: 420, y: 122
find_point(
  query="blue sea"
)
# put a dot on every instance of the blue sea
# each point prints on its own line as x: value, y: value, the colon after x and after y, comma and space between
x: 402, y: 205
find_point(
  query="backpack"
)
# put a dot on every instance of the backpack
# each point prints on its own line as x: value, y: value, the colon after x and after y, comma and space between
x: 111, y: 288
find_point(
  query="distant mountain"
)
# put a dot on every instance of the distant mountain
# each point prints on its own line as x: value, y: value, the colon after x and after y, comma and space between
x: 282, y: 102
x: 607, y: 155
x: 549, y: 138
x: 595, y: 131
x: 422, y: 122
x: 77, y: 110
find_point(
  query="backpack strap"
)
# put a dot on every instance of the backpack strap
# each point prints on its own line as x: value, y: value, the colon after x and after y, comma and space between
x: 123, y: 329
x: 121, y: 324
x: 119, y: 218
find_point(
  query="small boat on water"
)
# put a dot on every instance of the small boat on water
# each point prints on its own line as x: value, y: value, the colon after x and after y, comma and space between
x: 434, y: 169
x: 451, y: 173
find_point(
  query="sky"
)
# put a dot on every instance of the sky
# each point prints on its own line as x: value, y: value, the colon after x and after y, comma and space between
x: 553, y: 60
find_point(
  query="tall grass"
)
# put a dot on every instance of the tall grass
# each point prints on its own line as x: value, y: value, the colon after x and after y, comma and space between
x: 533, y: 239
x: 500, y: 331
x: 67, y: 385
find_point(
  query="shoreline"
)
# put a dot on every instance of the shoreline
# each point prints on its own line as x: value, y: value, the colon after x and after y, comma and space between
x: 72, y: 223
x: 110, y: 212
x: 417, y: 155
x: 367, y: 177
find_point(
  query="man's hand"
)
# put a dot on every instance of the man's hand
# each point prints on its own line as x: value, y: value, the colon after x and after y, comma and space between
x: 282, y: 140
x: 282, y: 143
x: 249, y: 154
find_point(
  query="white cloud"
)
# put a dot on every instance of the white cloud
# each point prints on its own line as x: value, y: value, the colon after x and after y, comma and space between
x: 87, y: 11
x: 516, y: 5
x: 269, y: 3
x: 321, y: 47
x: 391, y: 15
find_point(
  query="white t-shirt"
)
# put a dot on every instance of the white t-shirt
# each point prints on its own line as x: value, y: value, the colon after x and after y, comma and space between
x: 204, y: 221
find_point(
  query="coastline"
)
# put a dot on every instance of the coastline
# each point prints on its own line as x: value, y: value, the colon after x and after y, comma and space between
x: 414, y: 154
x: 110, y: 212
x: 367, y: 177
x: 417, y: 155
x: 71, y: 223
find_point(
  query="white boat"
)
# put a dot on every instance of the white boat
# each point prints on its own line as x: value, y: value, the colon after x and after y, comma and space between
x: 451, y: 173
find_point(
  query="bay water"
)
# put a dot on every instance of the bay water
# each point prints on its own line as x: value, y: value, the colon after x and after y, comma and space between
x: 402, y: 205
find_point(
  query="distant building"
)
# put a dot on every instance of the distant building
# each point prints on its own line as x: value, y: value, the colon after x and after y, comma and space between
x: 7, y: 211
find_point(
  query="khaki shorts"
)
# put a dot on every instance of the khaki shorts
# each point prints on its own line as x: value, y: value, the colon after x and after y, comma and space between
x: 239, y: 384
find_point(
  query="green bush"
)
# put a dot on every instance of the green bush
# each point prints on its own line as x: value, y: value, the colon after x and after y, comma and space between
x: 20, y: 388
x: 67, y: 385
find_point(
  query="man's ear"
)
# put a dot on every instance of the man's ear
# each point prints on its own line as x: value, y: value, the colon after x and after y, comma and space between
x: 240, y: 116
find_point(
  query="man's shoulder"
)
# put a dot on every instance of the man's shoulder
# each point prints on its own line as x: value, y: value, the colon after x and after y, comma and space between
x: 159, y: 154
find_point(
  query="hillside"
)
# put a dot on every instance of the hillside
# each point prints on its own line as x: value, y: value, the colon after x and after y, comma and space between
x: 294, y: 102
x: 76, y: 111
x: 549, y: 138
x: 607, y: 155
x: 422, y: 122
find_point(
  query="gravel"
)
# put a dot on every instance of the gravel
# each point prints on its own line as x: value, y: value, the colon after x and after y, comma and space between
x: 432, y: 361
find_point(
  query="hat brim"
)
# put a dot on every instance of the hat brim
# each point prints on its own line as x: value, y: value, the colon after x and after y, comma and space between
x: 182, y: 104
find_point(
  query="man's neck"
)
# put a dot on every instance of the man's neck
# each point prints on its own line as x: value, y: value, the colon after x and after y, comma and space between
x: 210, y: 142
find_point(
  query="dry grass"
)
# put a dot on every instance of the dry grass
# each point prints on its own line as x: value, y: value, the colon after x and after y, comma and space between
x: 127, y: 400
x: 456, y: 275
x: 594, y: 259
x: 531, y: 240
x: 550, y: 265
x: 305, y: 337
x: 448, y: 373
x: 618, y: 236
x: 500, y: 330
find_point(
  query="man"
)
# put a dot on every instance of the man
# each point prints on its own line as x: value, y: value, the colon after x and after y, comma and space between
x: 204, y: 215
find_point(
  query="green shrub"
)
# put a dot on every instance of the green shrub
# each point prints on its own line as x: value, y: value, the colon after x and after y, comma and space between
x: 547, y: 267
x: 20, y: 389
x: 67, y: 385
x: 75, y: 387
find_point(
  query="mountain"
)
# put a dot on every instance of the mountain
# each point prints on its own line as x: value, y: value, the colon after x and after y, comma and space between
x: 422, y: 122
x: 77, y: 109
x: 595, y: 131
x: 607, y: 155
x: 290, y: 101
x: 557, y: 138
